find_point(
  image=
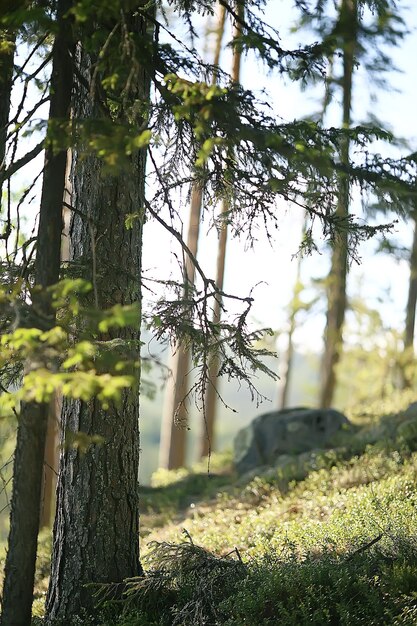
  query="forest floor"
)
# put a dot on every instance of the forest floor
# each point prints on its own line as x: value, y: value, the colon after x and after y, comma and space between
x: 331, y: 544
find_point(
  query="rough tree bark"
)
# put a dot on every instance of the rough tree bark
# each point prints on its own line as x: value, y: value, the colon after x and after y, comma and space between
x: 207, y: 436
x: 96, y: 530
x: 336, y: 286
x: 29, y: 455
x: 172, y: 451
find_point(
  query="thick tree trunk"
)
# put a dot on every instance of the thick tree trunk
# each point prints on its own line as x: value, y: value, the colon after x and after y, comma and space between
x: 410, y: 312
x: 29, y: 456
x: 96, y: 534
x: 336, y: 286
x: 207, y: 436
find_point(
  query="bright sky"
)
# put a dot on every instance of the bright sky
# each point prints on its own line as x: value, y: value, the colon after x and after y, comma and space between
x: 273, y: 268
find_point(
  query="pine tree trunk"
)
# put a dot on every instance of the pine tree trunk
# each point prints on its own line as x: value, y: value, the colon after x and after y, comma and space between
x: 289, y: 355
x: 410, y: 313
x: 96, y: 534
x: 51, y: 461
x: 294, y: 308
x: 336, y: 286
x: 172, y: 450
x: 7, y: 50
x: 31, y: 434
x: 207, y: 437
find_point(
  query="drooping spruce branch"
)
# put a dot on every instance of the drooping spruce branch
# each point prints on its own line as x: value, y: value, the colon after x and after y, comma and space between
x: 188, y: 322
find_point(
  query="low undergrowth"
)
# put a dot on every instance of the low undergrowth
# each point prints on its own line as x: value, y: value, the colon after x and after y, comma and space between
x: 339, y: 548
x: 335, y: 543
x: 374, y: 585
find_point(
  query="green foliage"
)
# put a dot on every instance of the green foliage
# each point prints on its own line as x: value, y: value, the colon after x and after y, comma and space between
x: 325, y: 590
x: 112, y: 141
x: 223, y: 139
x: 236, y: 346
x: 100, y: 366
x: 341, y: 580
x: 369, y: 369
x: 379, y: 24
x: 197, y: 583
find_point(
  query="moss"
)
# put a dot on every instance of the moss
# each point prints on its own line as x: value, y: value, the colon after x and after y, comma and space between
x: 328, y: 539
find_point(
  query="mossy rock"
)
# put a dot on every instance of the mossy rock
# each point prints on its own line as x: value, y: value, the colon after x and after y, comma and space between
x: 285, y: 433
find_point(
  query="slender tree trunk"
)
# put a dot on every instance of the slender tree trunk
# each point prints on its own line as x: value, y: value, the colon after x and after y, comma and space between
x: 172, y: 451
x: 207, y: 437
x: 289, y: 356
x: 7, y: 50
x: 336, y: 286
x: 51, y: 463
x: 175, y: 416
x: 50, y: 466
x: 96, y: 531
x: 211, y: 393
x: 410, y: 312
x: 30, y: 446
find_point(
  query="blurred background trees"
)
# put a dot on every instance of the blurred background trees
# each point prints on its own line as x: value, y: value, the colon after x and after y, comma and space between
x: 360, y: 37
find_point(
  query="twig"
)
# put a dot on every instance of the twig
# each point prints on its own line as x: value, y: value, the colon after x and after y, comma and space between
x: 27, y: 118
x: 234, y: 551
x: 17, y: 165
x: 27, y: 81
x: 83, y: 216
x: 101, y: 55
x: 363, y: 548
x: 181, y: 241
x: 20, y: 70
x: 187, y: 534
x: 207, y: 281
x: 238, y: 555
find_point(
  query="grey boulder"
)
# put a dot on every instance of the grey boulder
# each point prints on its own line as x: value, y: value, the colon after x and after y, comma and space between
x: 290, y: 431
